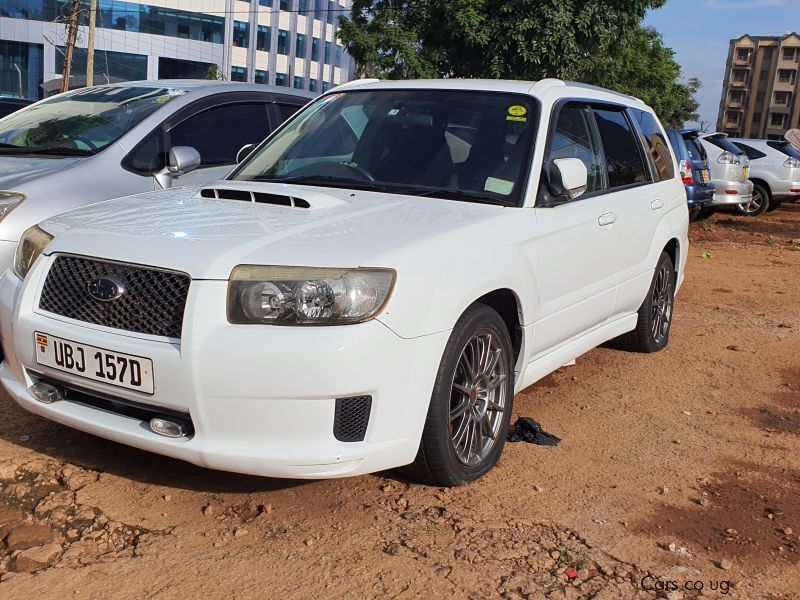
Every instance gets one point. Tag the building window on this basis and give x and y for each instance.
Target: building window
(788, 54)
(768, 52)
(299, 83)
(174, 68)
(732, 117)
(238, 74)
(241, 34)
(327, 59)
(312, 85)
(782, 98)
(743, 54)
(332, 11)
(777, 119)
(300, 46)
(739, 75)
(757, 117)
(262, 38)
(283, 42)
(315, 49)
(265, 3)
(281, 79)
(759, 98)
(325, 86)
(339, 53)
(302, 7)
(736, 96)
(285, 5)
(130, 67)
(786, 75)
(261, 76)
(318, 10)
(30, 60)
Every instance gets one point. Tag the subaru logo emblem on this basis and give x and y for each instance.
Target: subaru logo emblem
(105, 289)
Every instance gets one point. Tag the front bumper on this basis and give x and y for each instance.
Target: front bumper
(731, 193)
(261, 398)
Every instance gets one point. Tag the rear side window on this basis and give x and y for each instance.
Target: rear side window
(655, 144)
(725, 144)
(624, 161)
(751, 152)
(575, 136)
(286, 110)
(220, 132)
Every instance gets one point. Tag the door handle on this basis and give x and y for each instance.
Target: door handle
(657, 204)
(607, 218)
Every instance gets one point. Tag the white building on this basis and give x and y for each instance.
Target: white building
(284, 42)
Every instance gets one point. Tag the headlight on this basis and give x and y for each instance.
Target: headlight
(30, 246)
(306, 295)
(8, 202)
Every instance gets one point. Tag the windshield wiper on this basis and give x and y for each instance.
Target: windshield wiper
(48, 150)
(324, 180)
(463, 195)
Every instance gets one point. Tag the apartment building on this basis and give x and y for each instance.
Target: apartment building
(290, 43)
(761, 89)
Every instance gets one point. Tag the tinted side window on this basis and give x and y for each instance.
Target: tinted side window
(751, 152)
(576, 137)
(286, 110)
(696, 150)
(624, 163)
(656, 144)
(150, 155)
(219, 132)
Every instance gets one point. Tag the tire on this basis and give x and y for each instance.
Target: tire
(774, 204)
(703, 213)
(660, 300)
(453, 450)
(758, 205)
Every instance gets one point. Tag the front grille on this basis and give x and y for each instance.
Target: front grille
(351, 418)
(152, 302)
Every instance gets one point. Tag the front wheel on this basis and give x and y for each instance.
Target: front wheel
(471, 404)
(655, 314)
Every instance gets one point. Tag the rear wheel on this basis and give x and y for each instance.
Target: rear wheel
(774, 204)
(655, 314)
(758, 204)
(703, 213)
(470, 407)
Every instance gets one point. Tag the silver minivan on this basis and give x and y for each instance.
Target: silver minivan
(115, 140)
(774, 170)
(729, 174)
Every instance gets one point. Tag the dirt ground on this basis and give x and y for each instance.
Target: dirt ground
(677, 471)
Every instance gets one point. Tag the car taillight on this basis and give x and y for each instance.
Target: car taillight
(686, 171)
(792, 163)
(728, 158)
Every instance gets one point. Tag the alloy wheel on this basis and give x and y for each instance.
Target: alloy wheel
(661, 305)
(478, 397)
(755, 203)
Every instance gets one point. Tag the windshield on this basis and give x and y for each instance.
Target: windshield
(81, 122)
(462, 145)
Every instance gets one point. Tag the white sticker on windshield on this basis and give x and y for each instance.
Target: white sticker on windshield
(393, 112)
(498, 186)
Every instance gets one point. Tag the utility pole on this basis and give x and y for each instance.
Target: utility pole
(72, 38)
(90, 48)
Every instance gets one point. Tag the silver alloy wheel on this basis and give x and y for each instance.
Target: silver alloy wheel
(661, 306)
(755, 203)
(478, 397)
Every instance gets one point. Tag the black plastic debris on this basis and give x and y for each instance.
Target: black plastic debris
(528, 430)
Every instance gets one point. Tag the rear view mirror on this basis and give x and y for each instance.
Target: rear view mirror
(181, 160)
(244, 152)
(573, 174)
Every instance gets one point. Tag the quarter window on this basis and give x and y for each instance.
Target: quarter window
(624, 164)
(655, 143)
(575, 136)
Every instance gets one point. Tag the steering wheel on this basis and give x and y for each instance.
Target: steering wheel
(358, 169)
(86, 141)
(332, 169)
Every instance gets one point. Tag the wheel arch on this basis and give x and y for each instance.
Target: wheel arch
(507, 304)
(673, 249)
(763, 183)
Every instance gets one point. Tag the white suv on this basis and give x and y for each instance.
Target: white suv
(367, 290)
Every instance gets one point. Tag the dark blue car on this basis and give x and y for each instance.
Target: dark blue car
(693, 164)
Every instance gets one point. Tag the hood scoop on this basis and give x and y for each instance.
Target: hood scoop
(290, 196)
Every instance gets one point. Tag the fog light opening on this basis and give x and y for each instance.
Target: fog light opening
(168, 427)
(47, 393)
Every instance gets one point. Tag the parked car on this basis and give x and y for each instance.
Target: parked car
(694, 171)
(774, 171)
(368, 289)
(113, 140)
(10, 105)
(729, 175)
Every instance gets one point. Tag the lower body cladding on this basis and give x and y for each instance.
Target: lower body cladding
(731, 193)
(298, 402)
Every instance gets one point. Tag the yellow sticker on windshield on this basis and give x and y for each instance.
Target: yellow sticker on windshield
(517, 110)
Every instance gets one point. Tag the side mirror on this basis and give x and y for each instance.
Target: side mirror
(573, 174)
(244, 152)
(181, 160)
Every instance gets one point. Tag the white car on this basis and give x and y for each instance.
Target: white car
(367, 290)
(774, 171)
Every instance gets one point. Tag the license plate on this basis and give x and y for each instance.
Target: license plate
(745, 172)
(704, 173)
(97, 364)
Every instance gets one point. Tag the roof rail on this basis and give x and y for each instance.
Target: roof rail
(589, 86)
(354, 83)
(546, 84)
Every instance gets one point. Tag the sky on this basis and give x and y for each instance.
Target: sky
(699, 31)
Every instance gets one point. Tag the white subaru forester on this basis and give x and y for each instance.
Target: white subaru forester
(367, 290)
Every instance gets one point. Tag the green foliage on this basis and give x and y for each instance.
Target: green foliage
(594, 41)
(215, 73)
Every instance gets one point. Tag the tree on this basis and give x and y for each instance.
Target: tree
(215, 73)
(594, 41)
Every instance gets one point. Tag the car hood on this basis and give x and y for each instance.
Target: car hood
(17, 170)
(207, 237)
